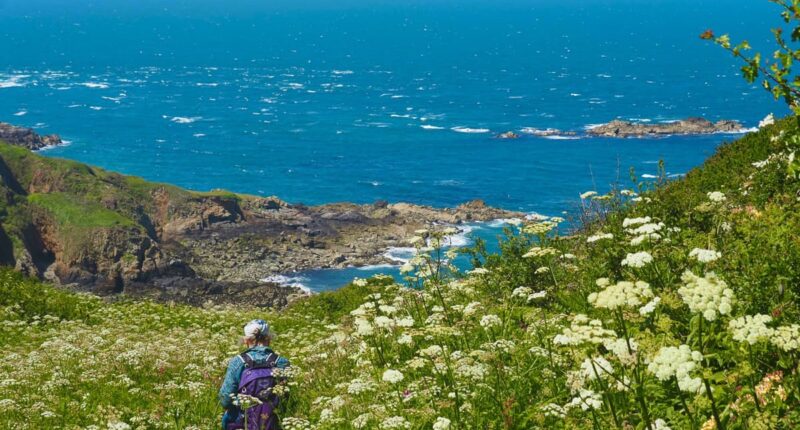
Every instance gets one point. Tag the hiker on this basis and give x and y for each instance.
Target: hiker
(250, 373)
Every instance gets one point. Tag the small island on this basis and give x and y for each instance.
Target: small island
(695, 125)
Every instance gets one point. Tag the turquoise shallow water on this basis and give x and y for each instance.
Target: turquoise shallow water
(359, 101)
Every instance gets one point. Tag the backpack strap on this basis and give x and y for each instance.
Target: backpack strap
(269, 363)
(248, 362)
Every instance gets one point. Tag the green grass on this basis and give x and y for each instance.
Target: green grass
(70, 212)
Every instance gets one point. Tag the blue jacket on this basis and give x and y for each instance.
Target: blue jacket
(236, 366)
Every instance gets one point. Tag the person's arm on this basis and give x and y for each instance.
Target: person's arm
(230, 385)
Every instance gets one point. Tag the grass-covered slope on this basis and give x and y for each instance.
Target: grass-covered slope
(677, 309)
(89, 225)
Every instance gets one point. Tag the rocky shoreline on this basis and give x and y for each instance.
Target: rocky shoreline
(27, 138)
(114, 235)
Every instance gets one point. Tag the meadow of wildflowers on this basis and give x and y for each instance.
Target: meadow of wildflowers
(675, 306)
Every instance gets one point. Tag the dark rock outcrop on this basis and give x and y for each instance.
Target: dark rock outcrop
(26, 137)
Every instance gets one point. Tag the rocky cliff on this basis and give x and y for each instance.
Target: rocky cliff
(26, 137)
(109, 233)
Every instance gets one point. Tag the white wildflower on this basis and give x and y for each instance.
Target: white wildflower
(679, 362)
(392, 376)
(395, 422)
(490, 320)
(583, 330)
(624, 293)
(704, 255)
(707, 295)
(554, 410)
(638, 259)
(787, 338)
(599, 236)
(650, 306)
(588, 194)
(441, 423)
(751, 328)
(716, 196)
(627, 222)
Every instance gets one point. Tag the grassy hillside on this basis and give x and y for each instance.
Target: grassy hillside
(674, 308)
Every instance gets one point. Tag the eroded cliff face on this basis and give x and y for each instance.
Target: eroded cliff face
(107, 233)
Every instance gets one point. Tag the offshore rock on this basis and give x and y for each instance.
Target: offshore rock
(620, 128)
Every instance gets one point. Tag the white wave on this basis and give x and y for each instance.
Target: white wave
(96, 107)
(575, 94)
(649, 176)
(74, 106)
(395, 115)
(535, 216)
(289, 281)
(500, 222)
(13, 81)
(460, 129)
(447, 183)
(591, 126)
(97, 85)
(462, 237)
(375, 267)
(400, 254)
(207, 84)
(398, 96)
(64, 142)
(559, 137)
(342, 72)
(183, 119)
(431, 127)
(23, 112)
(739, 131)
(199, 135)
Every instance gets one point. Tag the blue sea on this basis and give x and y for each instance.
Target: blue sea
(358, 100)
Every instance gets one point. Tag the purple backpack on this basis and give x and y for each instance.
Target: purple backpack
(257, 381)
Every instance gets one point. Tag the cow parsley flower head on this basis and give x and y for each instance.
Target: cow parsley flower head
(650, 306)
(623, 293)
(623, 349)
(583, 330)
(787, 338)
(660, 424)
(708, 295)
(637, 259)
(586, 399)
(395, 422)
(392, 376)
(751, 328)
(554, 410)
(596, 368)
(627, 222)
(490, 320)
(599, 236)
(679, 362)
(441, 423)
(704, 255)
(716, 196)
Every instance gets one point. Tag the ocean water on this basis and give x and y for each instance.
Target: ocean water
(357, 101)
